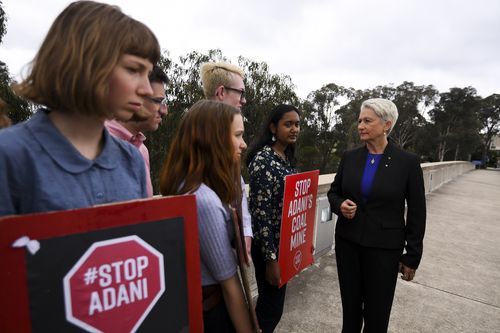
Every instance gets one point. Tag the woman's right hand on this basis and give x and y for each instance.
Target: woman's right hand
(273, 273)
(348, 208)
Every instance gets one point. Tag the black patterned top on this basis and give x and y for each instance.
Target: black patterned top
(267, 184)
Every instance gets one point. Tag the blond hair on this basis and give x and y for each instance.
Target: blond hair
(216, 74)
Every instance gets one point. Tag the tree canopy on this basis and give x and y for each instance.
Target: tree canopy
(17, 109)
(436, 125)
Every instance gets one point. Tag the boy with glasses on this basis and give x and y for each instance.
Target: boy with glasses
(223, 82)
(147, 120)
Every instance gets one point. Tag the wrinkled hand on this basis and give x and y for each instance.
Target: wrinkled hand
(407, 273)
(248, 245)
(348, 208)
(273, 273)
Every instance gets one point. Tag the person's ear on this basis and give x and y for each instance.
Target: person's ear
(387, 126)
(272, 128)
(219, 92)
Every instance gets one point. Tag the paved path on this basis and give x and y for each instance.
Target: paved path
(456, 288)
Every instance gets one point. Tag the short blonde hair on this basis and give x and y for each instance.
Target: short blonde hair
(216, 74)
(384, 109)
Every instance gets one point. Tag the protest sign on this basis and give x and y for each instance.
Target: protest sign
(297, 223)
(125, 267)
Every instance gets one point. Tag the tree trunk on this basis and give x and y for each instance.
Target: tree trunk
(441, 150)
(457, 149)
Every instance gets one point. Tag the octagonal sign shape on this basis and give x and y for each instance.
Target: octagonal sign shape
(114, 285)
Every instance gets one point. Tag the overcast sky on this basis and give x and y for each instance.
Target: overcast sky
(353, 43)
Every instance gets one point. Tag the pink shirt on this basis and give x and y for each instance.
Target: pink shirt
(117, 130)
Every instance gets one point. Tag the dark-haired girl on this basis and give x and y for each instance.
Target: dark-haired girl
(270, 158)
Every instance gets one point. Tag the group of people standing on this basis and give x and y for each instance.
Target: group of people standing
(205, 159)
(96, 77)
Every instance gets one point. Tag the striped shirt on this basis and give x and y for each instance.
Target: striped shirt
(218, 260)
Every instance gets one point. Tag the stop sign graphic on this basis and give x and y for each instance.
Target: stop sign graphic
(114, 285)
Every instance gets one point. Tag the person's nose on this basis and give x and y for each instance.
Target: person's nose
(163, 110)
(243, 145)
(145, 88)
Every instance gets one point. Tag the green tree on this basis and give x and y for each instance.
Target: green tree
(489, 116)
(324, 126)
(347, 127)
(3, 22)
(17, 108)
(411, 101)
(264, 91)
(457, 124)
(428, 140)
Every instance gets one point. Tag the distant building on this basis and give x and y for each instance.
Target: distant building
(495, 143)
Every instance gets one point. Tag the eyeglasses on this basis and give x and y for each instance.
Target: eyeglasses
(240, 91)
(162, 102)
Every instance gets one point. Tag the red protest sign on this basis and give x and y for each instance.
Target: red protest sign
(114, 285)
(297, 224)
(124, 267)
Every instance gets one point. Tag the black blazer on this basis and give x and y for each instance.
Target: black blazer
(380, 221)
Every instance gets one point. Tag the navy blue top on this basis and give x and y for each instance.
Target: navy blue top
(40, 170)
(372, 161)
(267, 185)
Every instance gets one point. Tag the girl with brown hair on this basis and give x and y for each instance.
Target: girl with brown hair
(93, 65)
(204, 160)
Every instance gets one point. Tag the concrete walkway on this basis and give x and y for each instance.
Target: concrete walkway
(456, 288)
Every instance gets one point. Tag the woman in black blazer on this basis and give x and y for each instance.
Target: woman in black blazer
(368, 194)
